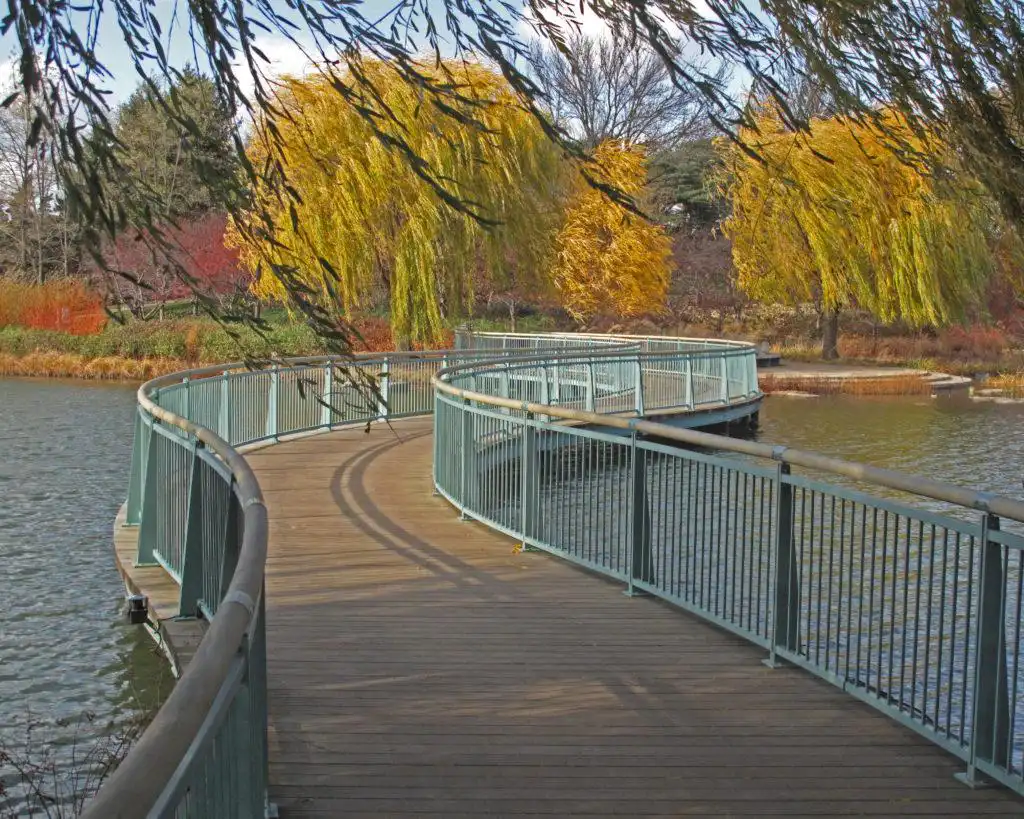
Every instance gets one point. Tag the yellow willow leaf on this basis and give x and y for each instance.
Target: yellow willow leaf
(863, 228)
(382, 227)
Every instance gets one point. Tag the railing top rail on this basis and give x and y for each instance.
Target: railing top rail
(925, 487)
(139, 780)
(713, 342)
(143, 774)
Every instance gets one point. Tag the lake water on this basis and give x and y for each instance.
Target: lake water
(69, 665)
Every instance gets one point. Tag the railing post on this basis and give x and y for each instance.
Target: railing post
(326, 412)
(147, 513)
(468, 445)
(506, 385)
(384, 380)
(186, 408)
(224, 415)
(137, 476)
(192, 548)
(991, 712)
(556, 386)
(638, 387)
(724, 393)
(691, 398)
(785, 629)
(545, 393)
(272, 395)
(530, 484)
(591, 387)
(641, 560)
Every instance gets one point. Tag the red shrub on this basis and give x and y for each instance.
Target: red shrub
(65, 305)
(198, 249)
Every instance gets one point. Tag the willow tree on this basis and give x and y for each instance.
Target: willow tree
(837, 217)
(361, 221)
(606, 258)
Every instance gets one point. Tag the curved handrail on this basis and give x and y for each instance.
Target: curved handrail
(915, 610)
(156, 771)
(891, 479)
(138, 781)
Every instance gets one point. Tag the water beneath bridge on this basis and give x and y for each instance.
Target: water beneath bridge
(64, 651)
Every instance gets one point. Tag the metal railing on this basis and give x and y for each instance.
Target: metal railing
(905, 592)
(200, 515)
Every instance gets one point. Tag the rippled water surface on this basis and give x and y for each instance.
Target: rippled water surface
(975, 444)
(68, 663)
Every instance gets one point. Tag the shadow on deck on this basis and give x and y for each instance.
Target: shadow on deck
(418, 665)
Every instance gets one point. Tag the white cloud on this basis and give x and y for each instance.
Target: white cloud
(284, 57)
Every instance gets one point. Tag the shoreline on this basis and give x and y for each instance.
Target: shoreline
(788, 377)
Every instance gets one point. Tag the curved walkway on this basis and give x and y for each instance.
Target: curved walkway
(419, 666)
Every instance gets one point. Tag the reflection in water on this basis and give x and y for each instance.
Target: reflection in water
(889, 591)
(68, 663)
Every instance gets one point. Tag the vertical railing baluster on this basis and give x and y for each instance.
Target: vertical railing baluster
(724, 386)
(787, 579)
(991, 711)
(591, 387)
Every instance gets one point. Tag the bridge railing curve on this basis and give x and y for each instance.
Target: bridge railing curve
(907, 593)
(200, 515)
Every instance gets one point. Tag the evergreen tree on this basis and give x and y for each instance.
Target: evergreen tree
(180, 169)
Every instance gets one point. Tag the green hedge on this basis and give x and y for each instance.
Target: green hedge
(195, 340)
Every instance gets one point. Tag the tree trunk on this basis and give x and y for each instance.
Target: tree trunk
(512, 314)
(830, 335)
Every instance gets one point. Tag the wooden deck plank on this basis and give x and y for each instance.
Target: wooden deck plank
(418, 665)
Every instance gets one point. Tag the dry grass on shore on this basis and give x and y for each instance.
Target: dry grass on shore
(1010, 383)
(72, 365)
(826, 385)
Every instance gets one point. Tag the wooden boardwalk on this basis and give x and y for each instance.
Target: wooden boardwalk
(418, 666)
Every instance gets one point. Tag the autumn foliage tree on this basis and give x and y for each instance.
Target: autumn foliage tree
(363, 222)
(605, 257)
(150, 280)
(836, 217)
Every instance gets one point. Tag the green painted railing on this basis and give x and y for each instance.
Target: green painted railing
(200, 515)
(905, 592)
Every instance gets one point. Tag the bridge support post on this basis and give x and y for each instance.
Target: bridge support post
(530, 483)
(641, 559)
(785, 628)
(468, 478)
(192, 545)
(991, 713)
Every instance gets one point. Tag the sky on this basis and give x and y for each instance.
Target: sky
(285, 57)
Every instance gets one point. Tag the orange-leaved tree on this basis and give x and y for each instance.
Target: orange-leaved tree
(607, 259)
